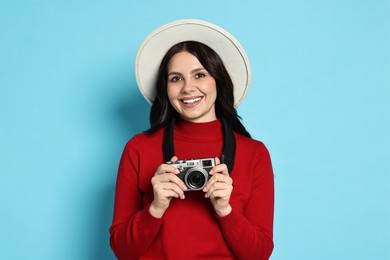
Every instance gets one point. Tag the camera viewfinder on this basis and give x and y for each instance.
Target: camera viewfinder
(206, 163)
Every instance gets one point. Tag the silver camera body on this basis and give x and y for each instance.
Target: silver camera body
(195, 172)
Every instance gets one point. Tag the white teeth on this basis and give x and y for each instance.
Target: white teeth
(190, 101)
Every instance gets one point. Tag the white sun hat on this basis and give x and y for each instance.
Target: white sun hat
(156, 44)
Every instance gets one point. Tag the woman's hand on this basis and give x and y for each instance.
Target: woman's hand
(219, 189)
(166, 185)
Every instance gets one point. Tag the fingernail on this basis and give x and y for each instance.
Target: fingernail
(206, 195)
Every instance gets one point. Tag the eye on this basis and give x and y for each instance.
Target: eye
(174, 79)
(200, 75)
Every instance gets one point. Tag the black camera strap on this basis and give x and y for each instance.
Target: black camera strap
(229, 145)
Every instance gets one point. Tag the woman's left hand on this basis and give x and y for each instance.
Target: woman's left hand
(219, 188)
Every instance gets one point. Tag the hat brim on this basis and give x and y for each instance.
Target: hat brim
(157, 43)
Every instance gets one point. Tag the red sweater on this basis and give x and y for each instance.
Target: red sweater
(189, 228)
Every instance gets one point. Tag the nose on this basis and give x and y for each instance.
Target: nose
(188, 86)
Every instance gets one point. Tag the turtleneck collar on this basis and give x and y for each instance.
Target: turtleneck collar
(207, 131)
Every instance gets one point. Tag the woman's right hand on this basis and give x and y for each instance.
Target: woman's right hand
(166, 185)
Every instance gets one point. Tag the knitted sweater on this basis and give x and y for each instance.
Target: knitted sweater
(189, 228)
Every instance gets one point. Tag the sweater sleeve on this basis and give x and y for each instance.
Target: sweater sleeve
(250, 233)
(134, 228)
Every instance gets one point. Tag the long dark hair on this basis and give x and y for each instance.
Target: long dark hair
(162, 111)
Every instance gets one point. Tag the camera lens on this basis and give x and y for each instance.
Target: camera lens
(196, 180)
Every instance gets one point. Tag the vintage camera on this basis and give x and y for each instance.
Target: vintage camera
(194, 173)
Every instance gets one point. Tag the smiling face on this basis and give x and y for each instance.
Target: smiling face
(191, 89)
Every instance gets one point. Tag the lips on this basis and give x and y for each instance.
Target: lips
(189, 101)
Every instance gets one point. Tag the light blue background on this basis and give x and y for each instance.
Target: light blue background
(319, 100)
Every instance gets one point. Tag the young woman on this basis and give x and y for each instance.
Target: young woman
(224, 208)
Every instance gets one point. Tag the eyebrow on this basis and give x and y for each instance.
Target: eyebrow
(191, 72)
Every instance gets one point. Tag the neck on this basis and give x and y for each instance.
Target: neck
(202, 131)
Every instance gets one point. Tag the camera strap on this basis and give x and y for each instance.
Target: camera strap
(229, 145)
